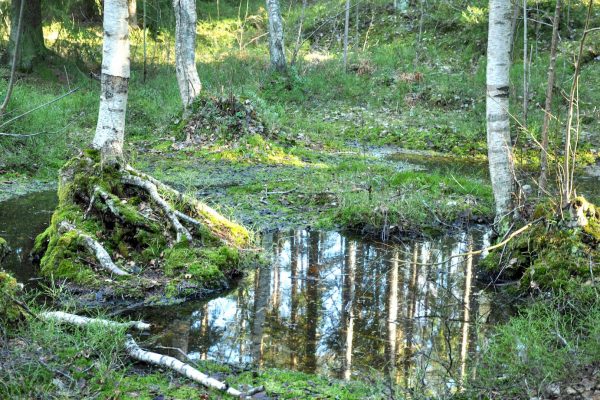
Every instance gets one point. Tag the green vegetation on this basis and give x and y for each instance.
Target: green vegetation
(298, 149)
(95, 200)
(9, 292)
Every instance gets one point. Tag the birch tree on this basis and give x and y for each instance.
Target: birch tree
(276, 47)
(185, 51)
(498, 122)
(110, 129)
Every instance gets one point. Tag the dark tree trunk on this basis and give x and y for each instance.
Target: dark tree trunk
(31, 47)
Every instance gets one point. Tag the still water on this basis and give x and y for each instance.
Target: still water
(326, 303)
(344, 307)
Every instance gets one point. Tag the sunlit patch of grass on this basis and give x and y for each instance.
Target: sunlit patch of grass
(256, 150)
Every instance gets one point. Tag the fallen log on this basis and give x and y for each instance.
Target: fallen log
(187, 370)
(94, 247)
(81, 321)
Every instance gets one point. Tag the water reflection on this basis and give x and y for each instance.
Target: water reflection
(21, 220)
(340, 306)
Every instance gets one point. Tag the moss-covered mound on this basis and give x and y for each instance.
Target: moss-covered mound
(559, 250)
(4, 249)
(9, 290)
(118, 234)
(221, 120)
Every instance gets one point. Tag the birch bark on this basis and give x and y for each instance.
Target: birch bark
(276, 48)
(110, 129)
(185, 51)
(497, 114)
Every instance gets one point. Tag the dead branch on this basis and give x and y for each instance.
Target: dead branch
(161, 360)
(82, 321)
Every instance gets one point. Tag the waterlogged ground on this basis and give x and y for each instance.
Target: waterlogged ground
(326, 303)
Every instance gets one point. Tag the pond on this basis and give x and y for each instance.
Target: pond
(326, 303)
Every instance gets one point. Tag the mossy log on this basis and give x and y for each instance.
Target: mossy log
(9, 291)
(119, 234)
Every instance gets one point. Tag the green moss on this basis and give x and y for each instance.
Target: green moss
(4, 249)
(9, 310)
(550, 255)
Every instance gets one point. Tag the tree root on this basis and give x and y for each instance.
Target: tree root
(82, 321)
(161, 360)
(94, 247)
(152, 191)
(207, 217)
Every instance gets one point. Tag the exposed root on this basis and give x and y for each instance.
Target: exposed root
(81, 321)
(108, 201)
(152, 191)
(93, 247)
(207, 217)
(161, 360)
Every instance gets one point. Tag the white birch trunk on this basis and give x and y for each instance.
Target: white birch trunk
(276, 48)
(497, 113)
(110, 129)
(82, 321)
(160, 360)
(185, 51)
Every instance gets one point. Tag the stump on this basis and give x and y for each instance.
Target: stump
(119, 234)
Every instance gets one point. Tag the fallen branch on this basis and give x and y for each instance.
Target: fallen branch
(152, 190)
(161, 360)
(82, 321)
(94, 247)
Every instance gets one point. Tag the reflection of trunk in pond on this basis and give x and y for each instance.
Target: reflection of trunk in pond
(348, 307)
(410, 314)
(293, 337)
(466, 313)
(261, 301)
(178, 337)
(312, 303)
(392, 314)
(204, 332)
(275, 297)
(242, 319)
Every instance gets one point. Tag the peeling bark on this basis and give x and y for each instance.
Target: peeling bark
(110, 129)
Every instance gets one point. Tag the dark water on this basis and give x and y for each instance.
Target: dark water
(21, 220)
(344, 307)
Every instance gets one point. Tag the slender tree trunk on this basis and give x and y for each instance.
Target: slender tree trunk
(133, 21)
(543, 181)
(348, 295)
(13, 65)
(498, 122)
(525, 66)
(31, 47)
(276, 44)
(185, 51)
(346, 26)
(299, 37)
(110, 129)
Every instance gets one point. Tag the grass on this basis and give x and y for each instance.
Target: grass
(550, 341)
